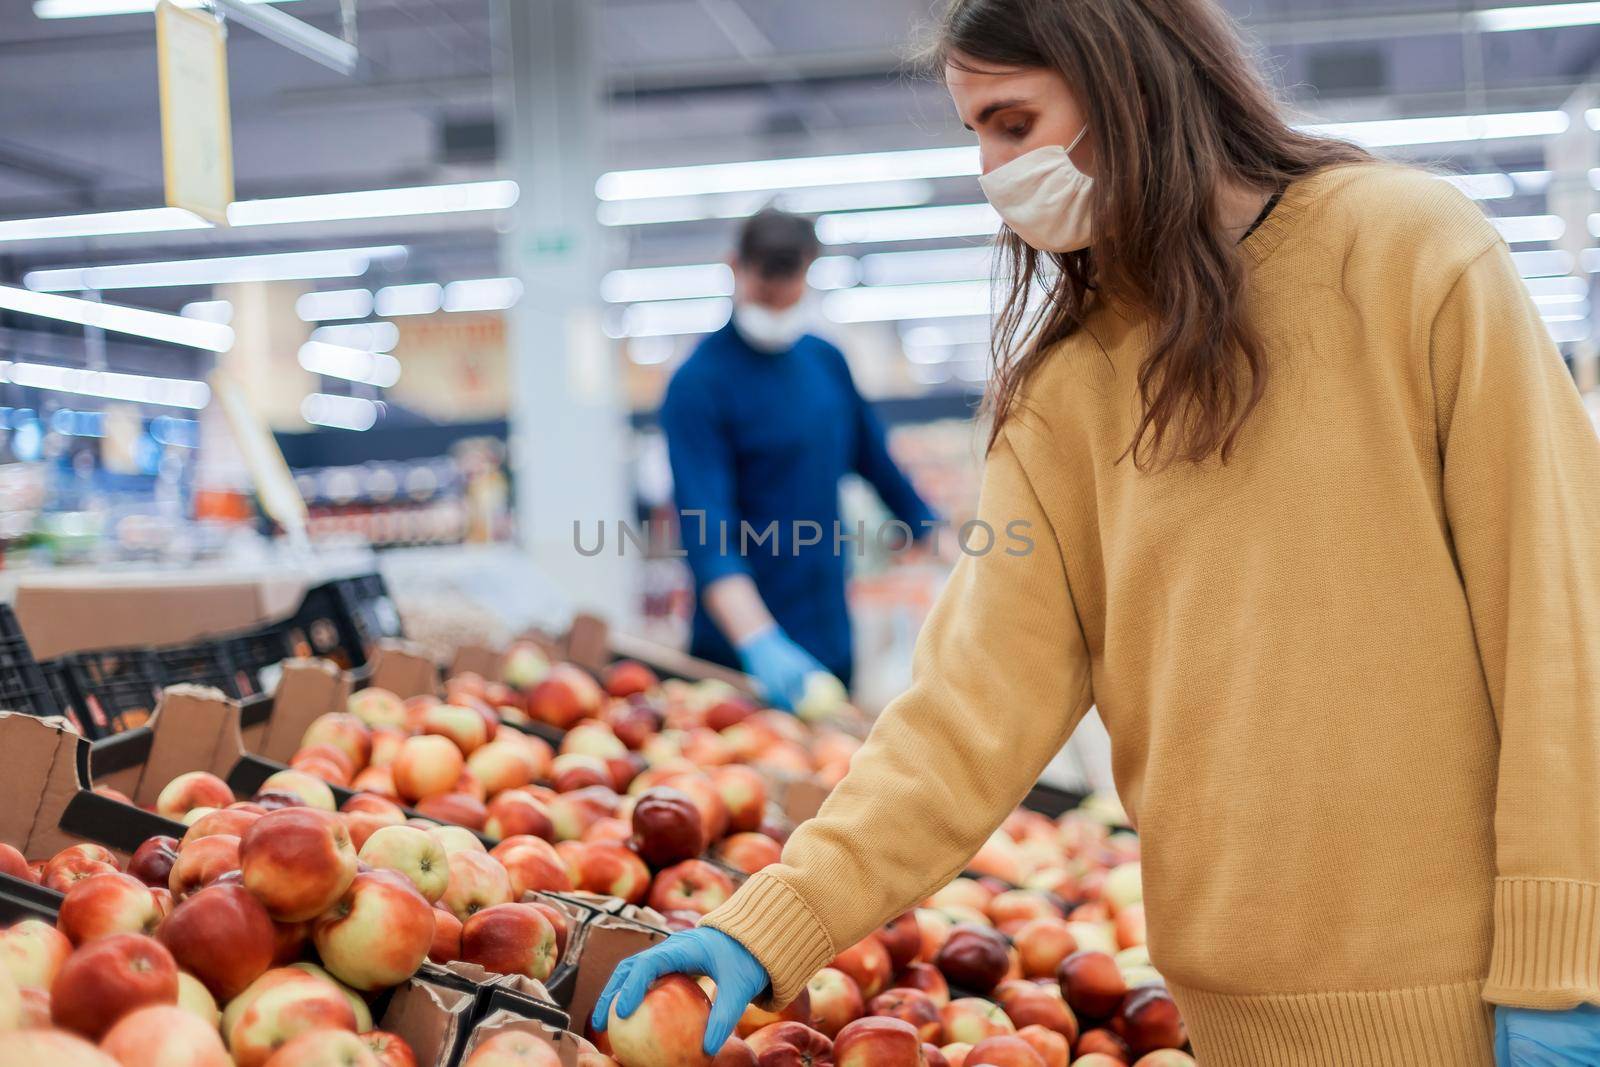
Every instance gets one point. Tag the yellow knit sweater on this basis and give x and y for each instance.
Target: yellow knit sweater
(1352, 678)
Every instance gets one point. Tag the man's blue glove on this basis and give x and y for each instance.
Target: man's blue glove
(1526, 1038)
(780, 665)
(739, 976)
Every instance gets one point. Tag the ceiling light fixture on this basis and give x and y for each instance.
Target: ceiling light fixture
(136, 322)
(269, 267)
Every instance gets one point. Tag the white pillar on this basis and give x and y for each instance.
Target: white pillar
(567, 425)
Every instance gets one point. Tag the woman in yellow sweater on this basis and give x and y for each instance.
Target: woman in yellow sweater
(1315, 510)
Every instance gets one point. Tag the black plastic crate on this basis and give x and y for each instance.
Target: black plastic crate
(342, 620)
(112, 690)
(199, 663)
(23, 686)
(255, 657)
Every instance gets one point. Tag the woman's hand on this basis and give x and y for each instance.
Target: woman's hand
(1527, 1038)
(739, 976)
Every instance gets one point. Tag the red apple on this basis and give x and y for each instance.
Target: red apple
(195, 789)
(517, 813)
(667, 1030)
(378, 781)
(734, 1053)
(744, 792)
(106, 979)
(667, 827)
(695, 885)
(559, 922)
(573, 771)
(277, 1008)
(901, 937)
(461, 809)
(410, 852)
(426, 766)
(613, 871)
(955, 1053)
(203, 862)
(713, 811)
(231, 821)
(375, 707)
(1020, 905)
(564, 696)
(14, 863)
(615, 831)
(477, 881)
(1130, 926)
(107, 904)
(867, 961)
(32, 952)
(1148, 1020)
(1102, 1043)
(446, 944)
(633, 723)
(754, 1018)
(75, 863)
(1091, 984)
(341, 730)
(297, 862)
(152, 861)
(729, 711)
(875, 1042)
(791, 1045)
(928, 978)
(1167, 1057)
(289, 787)
(749, 852)
(464, 726)
(974, 957)
(223, 936)
(503, 764)
(1035, 1005)
(1004, 1051)
(389, 1049)
(836, 1000)
(532, 864)
(626, 677)
(971, 1019)
(1054, 1049)
(911, 1006)
(377, 934)
(165, 1036)
(453, 838)
(514, 1048)
(510, 939)
(1042, 945)
(289, 941)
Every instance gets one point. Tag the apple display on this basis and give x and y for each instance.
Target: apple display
(910, 1006)
(836, 1000)
(477, 881)
(202, 862)
(971, 1019)
(297, 862)
(695, 885)
(194, 789)
(667, 1030)
(278, 1007)
(107, 904)
(1091, 984)
(867, 961)
(426, 765)
(1124, 885)
(513, 1048)
(879, 1042)
(791, 1045)
(974, 957)
(377, 934)
(730, 711)
(164, 1036)
(106, 979)
(511, 939)
(312, 791)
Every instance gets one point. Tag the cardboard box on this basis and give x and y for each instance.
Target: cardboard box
(64, 611)
(607, 941)
(569, 1046)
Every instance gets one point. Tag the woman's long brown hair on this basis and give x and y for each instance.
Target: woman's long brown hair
(1176, 112)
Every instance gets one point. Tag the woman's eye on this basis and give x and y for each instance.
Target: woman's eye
(1018, 130)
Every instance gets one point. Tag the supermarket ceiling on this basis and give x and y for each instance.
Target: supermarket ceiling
(689, 80)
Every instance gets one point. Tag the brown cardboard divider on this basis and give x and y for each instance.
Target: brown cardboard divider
(569, 1046)
(486, 662)
(307, 689)
(431, 1017)
(404, 669)
(607, 941)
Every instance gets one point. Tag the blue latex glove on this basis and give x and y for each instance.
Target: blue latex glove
(739, 976)
(1526, 1038)
(780, 665)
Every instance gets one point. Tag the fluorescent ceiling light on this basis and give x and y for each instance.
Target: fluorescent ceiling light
(367, 336)
(854, 197)
(136, 322)
(973, 331)
(334, 304)
(670, 318)
(743, 205)
(1544, 263)
(483, 294)
(1521, 229)
(651, 351)
(1444, 129)
(1566, 287)
(776, 174)
(889, 303)
(270, 267)
(908, 224)
(1483, 186)
(351, 364)
(421, 299)
(208, 311)
(135, 388)
(375, 203)
(834, 272)
(1537, 17)
(1568, 332)
(667, 283)
(339, 412)
(936, 265)
(101, 223)
(1564, 302)
(77, 9)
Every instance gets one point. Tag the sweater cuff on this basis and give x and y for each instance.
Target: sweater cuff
(770, 919)
(1546, 944)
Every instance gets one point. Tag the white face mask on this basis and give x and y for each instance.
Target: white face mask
(773, 332)
(1044, 198)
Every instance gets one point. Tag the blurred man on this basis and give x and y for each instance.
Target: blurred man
(762, 421)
